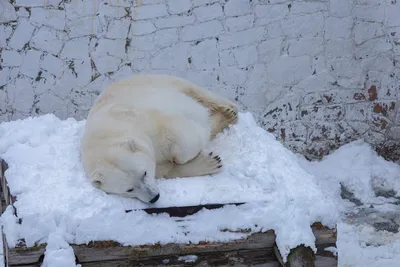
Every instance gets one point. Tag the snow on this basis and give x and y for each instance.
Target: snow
(363, 246)
(284, 192)
(188, 258)
(58, 252)
(356, 159)
(360, 242)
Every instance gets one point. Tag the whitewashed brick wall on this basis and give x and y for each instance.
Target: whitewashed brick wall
(316, 73)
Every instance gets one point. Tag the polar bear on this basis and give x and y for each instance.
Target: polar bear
(150, 126)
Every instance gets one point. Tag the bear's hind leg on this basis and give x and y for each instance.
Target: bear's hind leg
(223, 112)
(203, 164)
(181, 139)
(210, 100)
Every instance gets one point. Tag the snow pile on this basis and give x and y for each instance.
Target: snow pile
(58, 252)
(284, 192)
(46, 176)
(357, 167)
(362, 246)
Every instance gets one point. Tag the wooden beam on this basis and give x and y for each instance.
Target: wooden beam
(183, 211)
(94, 252)
(253, 257)
(114, 253)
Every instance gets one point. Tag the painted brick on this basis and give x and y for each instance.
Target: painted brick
(316, 74)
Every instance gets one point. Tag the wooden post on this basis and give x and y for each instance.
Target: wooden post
(302, 256)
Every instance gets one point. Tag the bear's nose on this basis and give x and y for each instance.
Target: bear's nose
(154, 200)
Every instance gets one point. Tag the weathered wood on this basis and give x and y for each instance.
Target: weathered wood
(323, 261)
(2, 181)
(25, 255)
(302, 256)
(179, 264)
(5, 247)
(319, 262)
(113, 251)
(110, 251)
(201, 264)
(7, 197)
(3, 167)
(231, 258)
(323, 234)
(184, 211)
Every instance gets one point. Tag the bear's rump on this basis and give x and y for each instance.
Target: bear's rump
(173, 102)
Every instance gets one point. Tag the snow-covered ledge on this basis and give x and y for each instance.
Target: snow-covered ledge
(315, 73)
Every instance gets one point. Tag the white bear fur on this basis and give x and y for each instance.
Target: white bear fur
(152, 126)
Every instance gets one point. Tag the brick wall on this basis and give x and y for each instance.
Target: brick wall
(315, 73)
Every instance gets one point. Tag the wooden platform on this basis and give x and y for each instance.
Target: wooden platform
(258, 249)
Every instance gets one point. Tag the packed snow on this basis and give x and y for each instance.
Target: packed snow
(284, 192)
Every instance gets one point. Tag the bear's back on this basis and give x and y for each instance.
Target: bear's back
(165, 98)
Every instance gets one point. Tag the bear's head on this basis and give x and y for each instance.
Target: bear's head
(127, 169)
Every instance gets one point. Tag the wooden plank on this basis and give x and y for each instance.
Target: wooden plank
(322, 261)
(201, 264)
(261, 257)
(5, 248)
(3, 167)
(323, 234)
(2, 182)
(2, 202)
(24, 255)
(8, 198)
(183, 211)
(108, 251)
(96, 252)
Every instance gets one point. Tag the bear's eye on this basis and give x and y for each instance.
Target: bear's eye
(130, 190)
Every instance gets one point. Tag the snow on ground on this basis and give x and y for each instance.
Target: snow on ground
(361, 245)
(58, 205)
(368, 190)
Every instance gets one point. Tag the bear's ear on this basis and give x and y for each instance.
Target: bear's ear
(97, 180)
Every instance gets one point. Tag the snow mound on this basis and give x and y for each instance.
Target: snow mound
(55, 199)
(357, 167)
(357, 246)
